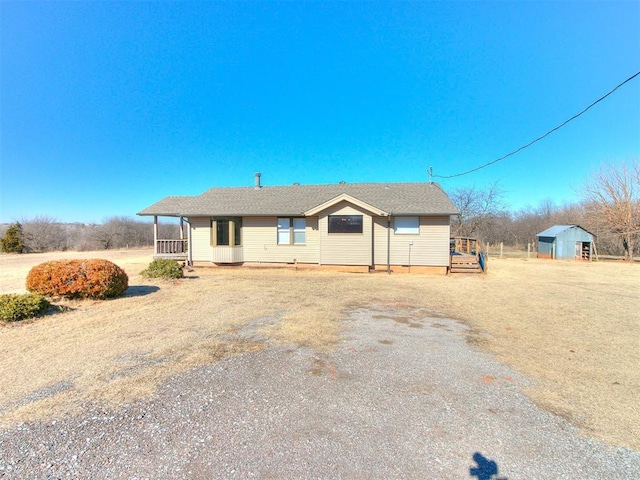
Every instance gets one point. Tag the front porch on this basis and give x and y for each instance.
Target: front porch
(170, 248)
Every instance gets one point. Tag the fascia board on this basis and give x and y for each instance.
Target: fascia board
(347, 198)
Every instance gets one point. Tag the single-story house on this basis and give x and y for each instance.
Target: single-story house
(363, 226)
(566, 241)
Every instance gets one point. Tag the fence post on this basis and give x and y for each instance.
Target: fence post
(528, 249)
(501, 247)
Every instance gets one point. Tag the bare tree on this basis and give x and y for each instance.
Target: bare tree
(113, 232)
(44, 234)
(479, 210)
(529, 221)
(81, 237)
(613, 201)
(123, 232)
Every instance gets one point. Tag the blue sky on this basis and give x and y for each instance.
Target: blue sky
(106, 107)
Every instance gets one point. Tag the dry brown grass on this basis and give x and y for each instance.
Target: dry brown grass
(573, 327)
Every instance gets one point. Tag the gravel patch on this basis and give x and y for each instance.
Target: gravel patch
(402, 396)
(45, 392)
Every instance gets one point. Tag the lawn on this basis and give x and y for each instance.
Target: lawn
(572, 327)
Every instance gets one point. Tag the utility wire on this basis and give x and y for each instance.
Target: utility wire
(540, 137)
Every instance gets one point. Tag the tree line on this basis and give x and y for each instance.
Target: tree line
(609, 207)
(46, 234)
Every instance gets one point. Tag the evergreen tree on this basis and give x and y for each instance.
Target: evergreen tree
(13, 240)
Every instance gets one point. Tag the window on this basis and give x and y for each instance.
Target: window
(345, 223)
(406, 225)
(222, 232)
(292, 231)
(226, 232)
(284, 231)
(237, 232)
(299, 229)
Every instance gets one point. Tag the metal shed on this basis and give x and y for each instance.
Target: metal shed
(566, 241)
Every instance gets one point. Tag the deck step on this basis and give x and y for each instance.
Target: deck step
(465, 270)
(465, 264)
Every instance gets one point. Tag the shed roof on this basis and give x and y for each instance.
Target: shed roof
(557, 229)
(390, 198)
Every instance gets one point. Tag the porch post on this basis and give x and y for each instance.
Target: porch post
(181, 228)
(155, 235)
(189, 245)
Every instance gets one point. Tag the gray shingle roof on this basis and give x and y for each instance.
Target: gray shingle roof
(393, 198)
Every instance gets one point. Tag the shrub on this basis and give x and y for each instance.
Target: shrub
(95, 278)
(163, 268)
(14, 307)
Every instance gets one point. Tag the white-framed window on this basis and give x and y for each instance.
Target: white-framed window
(406, 225)
(299, 231)
(284, 231)
(292, 230)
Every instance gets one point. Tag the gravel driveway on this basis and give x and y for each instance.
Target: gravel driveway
(402, 396)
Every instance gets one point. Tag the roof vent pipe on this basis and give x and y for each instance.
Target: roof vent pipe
(256, 177)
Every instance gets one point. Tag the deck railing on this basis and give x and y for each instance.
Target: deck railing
(171, 247)
(468, 247)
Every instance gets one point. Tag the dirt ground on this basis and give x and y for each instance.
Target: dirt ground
(574, 328)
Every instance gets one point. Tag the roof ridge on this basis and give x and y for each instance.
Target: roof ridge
(252, 187)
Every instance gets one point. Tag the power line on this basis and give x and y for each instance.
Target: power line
(542, 136)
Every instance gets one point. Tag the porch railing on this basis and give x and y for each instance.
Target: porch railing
(171, 247)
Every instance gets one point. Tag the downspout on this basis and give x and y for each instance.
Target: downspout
(389, 244)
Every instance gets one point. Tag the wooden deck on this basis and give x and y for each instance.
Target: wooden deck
(467, 256)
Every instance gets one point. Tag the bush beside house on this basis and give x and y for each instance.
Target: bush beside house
(163, 268)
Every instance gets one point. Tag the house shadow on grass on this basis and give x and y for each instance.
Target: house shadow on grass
(140, 290)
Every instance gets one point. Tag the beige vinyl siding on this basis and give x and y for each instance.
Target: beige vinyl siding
(201, 238)
(345, 248)
(430, 247)
(260, 242)
(226, 254)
